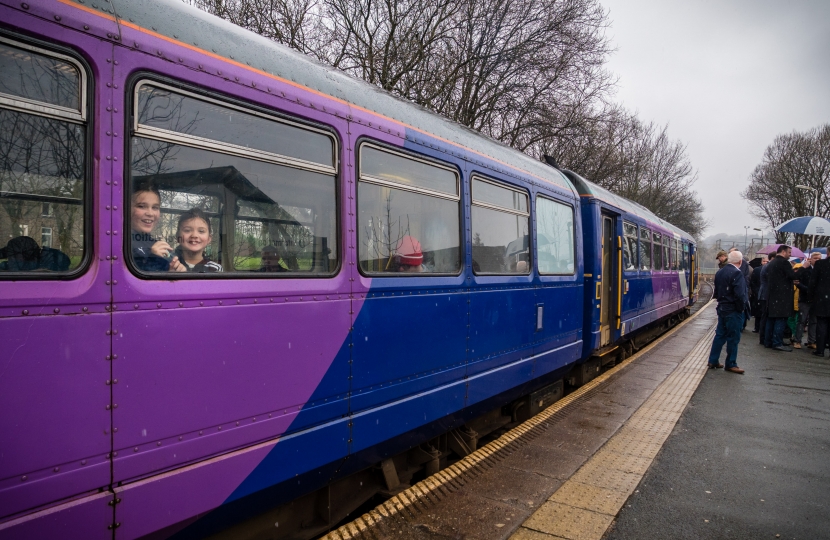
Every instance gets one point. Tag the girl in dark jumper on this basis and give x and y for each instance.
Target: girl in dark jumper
(194, 236)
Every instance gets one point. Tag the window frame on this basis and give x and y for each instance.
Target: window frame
(407, 154)
(536, 232)
(85, 118)
(229, 101)
(193, 141)
(636, 237)
(41, 108)
(531, 244)
(649, 233)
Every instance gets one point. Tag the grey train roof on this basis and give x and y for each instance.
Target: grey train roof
(586, 187)
(190, 25)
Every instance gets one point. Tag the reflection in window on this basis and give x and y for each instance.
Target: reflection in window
(658, 251)
(203, 210)
(645, 249)
(403, 226)
(555, 237)
(629, 246)
(42, 160)
(500, 223)
(686, 264)
(666, 253)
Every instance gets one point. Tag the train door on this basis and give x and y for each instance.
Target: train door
(607, 312)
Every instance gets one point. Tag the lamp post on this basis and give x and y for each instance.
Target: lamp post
(815, 208)
(762, 236)
(746, 237)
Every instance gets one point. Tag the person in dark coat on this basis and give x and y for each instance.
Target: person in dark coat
(730, 291)
(763, 297)
(819, 291)
(780, 298)
(755, 293)
(746, 270)
(806, 322)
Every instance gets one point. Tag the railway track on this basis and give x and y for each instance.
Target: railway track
(429, 498)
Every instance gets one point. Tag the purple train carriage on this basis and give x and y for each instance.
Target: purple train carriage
(241, 292)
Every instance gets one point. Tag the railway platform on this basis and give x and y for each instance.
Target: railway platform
(656, 447)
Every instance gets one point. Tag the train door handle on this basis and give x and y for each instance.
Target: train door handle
(599, 290)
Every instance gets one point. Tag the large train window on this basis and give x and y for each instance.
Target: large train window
(686, 264)
(554, 237)
(658, 251)
(43, 167)
(629, 246)
(500, 225)
(666, 253)
(645, 249)
(220, 188)
(408, 214)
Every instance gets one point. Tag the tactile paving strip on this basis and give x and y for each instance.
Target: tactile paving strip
(633, 447)
(585, 506)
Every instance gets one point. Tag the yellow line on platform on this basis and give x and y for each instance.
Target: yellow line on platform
(586, 504)
(590, 521)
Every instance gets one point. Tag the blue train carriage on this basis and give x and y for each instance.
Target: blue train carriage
(639, 276)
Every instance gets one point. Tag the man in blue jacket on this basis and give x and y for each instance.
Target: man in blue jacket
(730, 291)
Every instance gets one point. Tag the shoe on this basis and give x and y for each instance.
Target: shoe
(715, 366)
(755, 331)
(735, 369)
(811, 345)
(796, 345)
(782, 348)
(787, 342)
(816, 353)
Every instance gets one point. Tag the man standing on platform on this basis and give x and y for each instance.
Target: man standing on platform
(780, 298)
(730, 291)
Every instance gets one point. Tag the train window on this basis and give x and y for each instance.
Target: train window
(43, 167)
(686, 264)
(204, 202)
(645, 249)
(179, 116)
(629, 246)
(666, 254)
(408, 214)
(555, 237)
(675, 256)
(500, 220)
(658, 251)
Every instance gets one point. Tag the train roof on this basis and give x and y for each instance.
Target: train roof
(588, 188)
(178, 21)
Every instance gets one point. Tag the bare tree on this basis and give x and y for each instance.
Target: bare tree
(792, 159)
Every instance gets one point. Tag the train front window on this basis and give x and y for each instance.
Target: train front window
(408, 215)
(43, 169)
(554, 237)
(629, 246)
(500, 228)
(205, 207)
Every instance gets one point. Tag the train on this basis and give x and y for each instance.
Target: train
(243, 293)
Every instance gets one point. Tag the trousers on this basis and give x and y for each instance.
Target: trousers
(727, 333)
(807, 322)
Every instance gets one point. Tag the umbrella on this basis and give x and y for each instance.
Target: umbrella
(772, 248)
(806, 225)
(755, 263)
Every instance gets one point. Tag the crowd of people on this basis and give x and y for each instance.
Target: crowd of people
(788, 297)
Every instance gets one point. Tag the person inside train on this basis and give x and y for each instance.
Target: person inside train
(194, 236)
(21, 253)
(271, 260)
(149, 254)
(408, 257)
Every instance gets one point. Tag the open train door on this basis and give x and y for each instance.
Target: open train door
(608, 305)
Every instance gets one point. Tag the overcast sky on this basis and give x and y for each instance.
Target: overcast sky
(727, 76)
